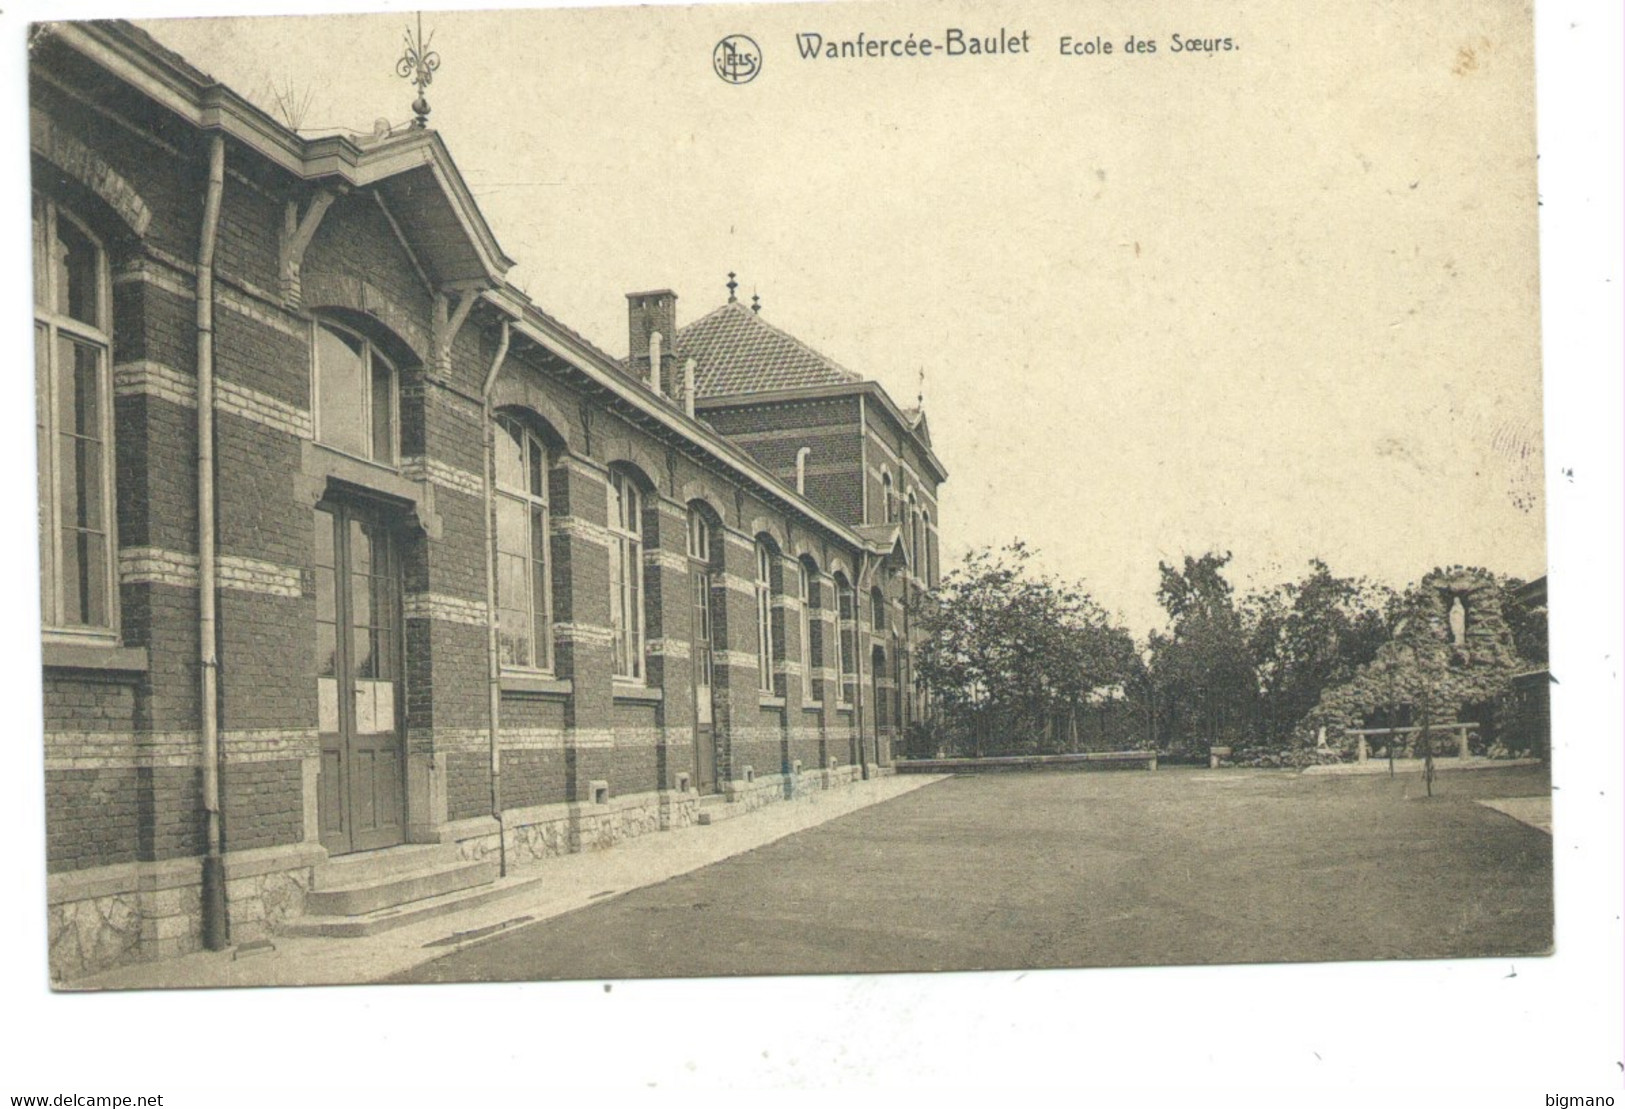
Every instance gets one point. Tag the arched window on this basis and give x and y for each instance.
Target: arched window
(911, 534)
(804, 591)
(929, 557)
(74, 420)
(699, 569)
(891, 499)
(626, 574)
(357, 394)
(764, 616)
(524, 587)
(877, 609)
(845, 613)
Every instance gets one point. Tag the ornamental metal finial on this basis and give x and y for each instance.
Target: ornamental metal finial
(417, 64)
(755, 303)
(732, 285)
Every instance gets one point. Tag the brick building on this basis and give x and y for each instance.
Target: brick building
(358, 570)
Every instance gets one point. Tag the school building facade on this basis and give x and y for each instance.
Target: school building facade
(359, 570)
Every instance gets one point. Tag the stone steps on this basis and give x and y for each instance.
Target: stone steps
(348, 871)
(369, 895)
(413, 912)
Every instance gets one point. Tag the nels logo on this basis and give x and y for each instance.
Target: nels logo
(737, 59)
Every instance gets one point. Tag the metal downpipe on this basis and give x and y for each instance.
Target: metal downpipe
(215, 930)
(494, 673)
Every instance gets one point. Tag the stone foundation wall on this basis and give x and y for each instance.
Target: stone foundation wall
(134, 912)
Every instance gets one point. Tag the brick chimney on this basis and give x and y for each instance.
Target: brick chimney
(648, 314)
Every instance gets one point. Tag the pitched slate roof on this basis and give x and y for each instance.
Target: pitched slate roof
(737, 352)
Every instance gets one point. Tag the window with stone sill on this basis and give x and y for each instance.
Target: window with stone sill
(626, 575)
(524, 588)
(74, 425)
(764, 616)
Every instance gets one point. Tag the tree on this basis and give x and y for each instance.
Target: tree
(1201, 671)
(1007, 652)
(1306, 635)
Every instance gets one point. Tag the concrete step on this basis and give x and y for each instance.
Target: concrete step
(349, 871)
(714, 807)
(399, 916)
(371, 894)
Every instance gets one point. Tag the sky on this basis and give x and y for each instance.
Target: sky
(1279, 300)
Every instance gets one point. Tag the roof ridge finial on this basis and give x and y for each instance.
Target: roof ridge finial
(920, 397)
(756, 304)
(732, 285)
(417, 64)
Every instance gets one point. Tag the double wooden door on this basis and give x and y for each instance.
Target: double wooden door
(358, 680)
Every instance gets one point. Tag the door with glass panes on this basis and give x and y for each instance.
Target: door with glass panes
(358, 680)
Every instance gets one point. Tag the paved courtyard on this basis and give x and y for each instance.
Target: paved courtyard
(1027, 870)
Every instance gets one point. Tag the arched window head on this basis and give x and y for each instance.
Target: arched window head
(524, 585)
(626, 574)
(877, 609)
(699, 535)
(890, 498)
(357, 394)
(74, 421)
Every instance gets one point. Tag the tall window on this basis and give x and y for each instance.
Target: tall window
(74, 420)
(845, 610)
(927, 559)
(524, 593)
(699, 571)
(626, 574)
(877, 609)
(804, 585)
(356, 395)
(891, 499)
(764, 616)
(911, 534)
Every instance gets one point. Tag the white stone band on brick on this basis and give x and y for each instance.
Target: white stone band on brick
(735, 582)
(251, 404)
(230, 298)
(448, 741)
(418, 468)
(735, 658)
(154, 379)
(576, 528)
(250, 575)
(148, 272)
(597, 634)
(439, 606)
(666, 560)
(156, 566)
(532, 739)
(669, 648)
(114, 750)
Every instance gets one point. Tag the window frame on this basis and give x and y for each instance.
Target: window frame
(764, 616)
(535, 459)
(846, 600)
(51, 324)
(370, 351)
(625, 523)
(700, 538)
(804, 584)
